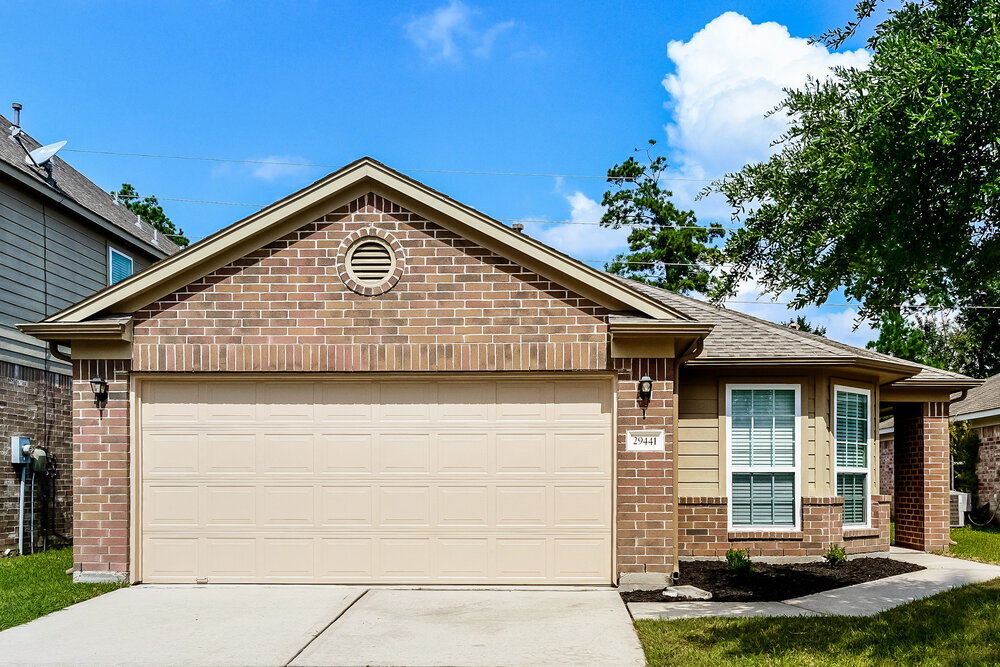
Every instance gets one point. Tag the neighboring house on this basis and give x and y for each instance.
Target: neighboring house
(62, 238)
(370, 382)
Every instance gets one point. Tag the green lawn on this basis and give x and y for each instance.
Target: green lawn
(35, 585)
(955, 627)
(974, 543)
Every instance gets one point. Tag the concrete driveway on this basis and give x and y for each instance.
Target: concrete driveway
(330, 625)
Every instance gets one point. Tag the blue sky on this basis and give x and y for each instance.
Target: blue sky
(553, 88)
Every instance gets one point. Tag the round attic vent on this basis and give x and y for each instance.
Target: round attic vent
(370, 261)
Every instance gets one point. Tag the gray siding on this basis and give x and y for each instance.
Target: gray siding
(48, 261)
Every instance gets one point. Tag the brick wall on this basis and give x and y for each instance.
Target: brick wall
(886, 467)
(101, 470)
(456, 307)
(988, 469)
(647, 522)
(922, 462)
(704, 531)
(36, 403)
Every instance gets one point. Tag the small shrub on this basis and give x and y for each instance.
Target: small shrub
(739, 561)
(836, 555)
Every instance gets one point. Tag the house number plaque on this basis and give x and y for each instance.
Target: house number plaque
(645, 441)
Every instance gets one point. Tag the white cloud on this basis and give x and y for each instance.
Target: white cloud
(451, 31)
(584, 241)
(727, 77)
(267, 168)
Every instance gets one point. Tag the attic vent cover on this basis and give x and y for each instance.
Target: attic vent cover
(370, 262)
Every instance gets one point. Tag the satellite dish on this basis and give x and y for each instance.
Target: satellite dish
(40, 156)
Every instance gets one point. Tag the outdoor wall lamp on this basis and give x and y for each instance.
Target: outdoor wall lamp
(645, 388)
(100, 388)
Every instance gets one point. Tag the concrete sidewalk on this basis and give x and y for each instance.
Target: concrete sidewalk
(942, 573)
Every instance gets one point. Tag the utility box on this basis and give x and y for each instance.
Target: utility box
(959, 506)
(19, 448)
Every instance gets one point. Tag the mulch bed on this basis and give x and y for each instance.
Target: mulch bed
(775, 582)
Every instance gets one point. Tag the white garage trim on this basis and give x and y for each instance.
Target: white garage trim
(504, 515)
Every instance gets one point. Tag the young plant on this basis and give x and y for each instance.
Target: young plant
(836, 555)
(739, 562)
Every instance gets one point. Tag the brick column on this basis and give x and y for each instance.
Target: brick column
(101, 473)
(647, 552)
(921, 475)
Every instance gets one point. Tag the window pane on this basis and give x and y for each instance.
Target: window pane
(852, 487)
(763, 427)
(851, 429)
(121, 267)
(763, 499)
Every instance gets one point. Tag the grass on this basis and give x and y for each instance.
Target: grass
(975, 543)
(35, 585)
(955, 627)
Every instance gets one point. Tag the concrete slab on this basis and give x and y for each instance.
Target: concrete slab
(675, 610)
(183, 625)
(422, 628)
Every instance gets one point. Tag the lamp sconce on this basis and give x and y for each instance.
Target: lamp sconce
(100, 388)
(645, 392)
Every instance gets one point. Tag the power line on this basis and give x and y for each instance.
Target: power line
(338, 166)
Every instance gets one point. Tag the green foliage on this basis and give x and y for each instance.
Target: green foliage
(957, 627)
(802, 324)
(886, 181)
(666, 246)
(965, 453)
(836, 555)
(149, 209)
(36, 585)
(739, 561)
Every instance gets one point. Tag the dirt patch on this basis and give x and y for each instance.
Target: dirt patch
(776, 582)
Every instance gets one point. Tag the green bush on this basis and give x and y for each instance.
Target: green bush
(836, 555)
(739, 561)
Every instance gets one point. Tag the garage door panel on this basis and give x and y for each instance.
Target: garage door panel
(445, 483)
(172, 403)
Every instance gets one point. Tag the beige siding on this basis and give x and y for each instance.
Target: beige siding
(701, 428)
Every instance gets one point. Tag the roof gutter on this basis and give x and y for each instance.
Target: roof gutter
(82, 211)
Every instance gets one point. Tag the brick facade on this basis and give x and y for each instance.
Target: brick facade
(457, 307)
(101, 471)
(988, 469)
(922, 467)
(647, 521)
(704, 531)
(36, 404)
(887, 467)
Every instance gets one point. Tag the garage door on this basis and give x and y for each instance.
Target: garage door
(376, 481)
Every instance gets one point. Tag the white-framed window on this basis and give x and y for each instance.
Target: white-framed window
(763, 454)
(852, 435)
(120, 266)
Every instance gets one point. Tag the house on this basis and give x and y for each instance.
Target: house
(370, 382)
(63, 238)
(980, 409)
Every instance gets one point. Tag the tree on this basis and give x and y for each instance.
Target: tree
(149, 209)
(667, 248)
(802, 324)
(885, 184)
(964, 444)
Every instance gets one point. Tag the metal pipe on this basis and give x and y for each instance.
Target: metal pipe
(20, 513)
(17, 113)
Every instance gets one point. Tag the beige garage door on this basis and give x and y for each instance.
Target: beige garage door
(376, 481)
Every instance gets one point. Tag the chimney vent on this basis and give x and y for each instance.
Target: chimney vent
(518, 227)
(17, 113)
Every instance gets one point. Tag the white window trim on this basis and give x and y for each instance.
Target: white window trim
(111, 253)
(795, 469)
(866, 471)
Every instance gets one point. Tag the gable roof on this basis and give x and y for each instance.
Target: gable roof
(741, 337)
(68, 186)
(344, 185)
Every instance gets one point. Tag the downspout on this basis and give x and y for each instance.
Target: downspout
(692, 351)
(961, 397)
(54, 349)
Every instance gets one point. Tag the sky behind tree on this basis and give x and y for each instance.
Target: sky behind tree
(426, 87)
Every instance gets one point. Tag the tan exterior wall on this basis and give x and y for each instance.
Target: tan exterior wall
(702, 439)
